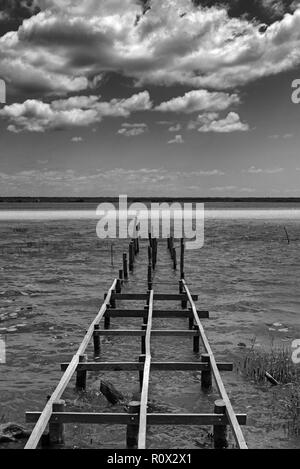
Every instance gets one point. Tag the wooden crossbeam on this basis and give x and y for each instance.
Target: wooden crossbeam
(125, 418)
(140, 333)
(158, 313)
(157, 296)
(157, 366)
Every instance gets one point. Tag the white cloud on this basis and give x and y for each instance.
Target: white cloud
(80, 111)
(175, 128)
(132, 130)
(199, 100)
(77, 139)
(231, 123)
(177, 140)
(70, 46)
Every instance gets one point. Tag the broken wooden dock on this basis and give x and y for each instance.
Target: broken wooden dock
(137, 419)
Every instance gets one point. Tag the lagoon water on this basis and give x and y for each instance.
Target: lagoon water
(54, 272)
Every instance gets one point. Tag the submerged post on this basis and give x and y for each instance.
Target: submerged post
(132, 431)
(142, 359)
(125, 269)
(56, 430)
(206, 376)
(81, 375)
(96, 341)
(196, 340)
(220, 431)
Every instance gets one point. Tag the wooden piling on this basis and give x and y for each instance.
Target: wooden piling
(149, 275)
(182, 258)
(143, 342)
(112, 303)
(121, 275)
(131, 256)
(196, 341)
(206, 376)
(149, 255)
(118, 286)
(81, 375)
(125, 267)
(96, 341)
(132, 431)
(174, 257)
(107, 321)
(220, 431)
(142, 359)
(56, 430)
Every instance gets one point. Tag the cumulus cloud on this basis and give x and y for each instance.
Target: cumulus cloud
(132, 130)
(69, 46)
(80, 111)
(231, 123)
(199, 100)
(177, 140)
(13, 13)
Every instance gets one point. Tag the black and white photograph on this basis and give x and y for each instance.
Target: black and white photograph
(149, 227)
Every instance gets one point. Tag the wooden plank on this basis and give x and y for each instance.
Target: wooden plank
(140, 333)
(146, 378)
(155, 366)
(157, 296)
(125, 418)
(42, 422)
(237, 432)
(163, 313)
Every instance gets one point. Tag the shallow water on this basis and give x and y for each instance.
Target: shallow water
(53, 277)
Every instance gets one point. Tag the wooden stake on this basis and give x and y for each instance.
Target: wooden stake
(81, 375)
(112, 302)
(96, 341)
(206, 376)
(220, 431)
(196, 341)
(142, 359)
(174, 259)
(125, 269)
(143, 340)
(118, 286)
(132, 430)
(182, 258)
(56, 430)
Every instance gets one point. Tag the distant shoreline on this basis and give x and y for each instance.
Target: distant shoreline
(38, 200)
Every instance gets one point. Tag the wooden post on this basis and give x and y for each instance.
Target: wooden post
(81, 375)
(142, 359)
(143, 340)
(149, 276)
(196, 341)
(132, 431)
(220, 431)
(206, 376)
(107, 320)
(112, 302)
(125, 269)
(149, 255)
(96, 341)
(182, 258)
(191, 323)
(131, 257)
(121, 275)
(56, 430)
(118, 286)
(153, 253)
(174, 259)
(150, 239)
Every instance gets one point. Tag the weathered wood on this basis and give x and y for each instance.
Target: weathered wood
(206, 376)
(196, 339)
(81, 375)
(146, 377)
(131, 257)
(157, 296)
(237, 432)
(155, 366)
(125, 418)
(220, 431)
(112, 303)
(182, 258)
(118, 286)
(110, 392)
(142, 359)
(125, 266)
(155, 332)
(43, 419)
(143, 341)
(133, 428)
(158, 313)
(96, 341)
(56, 430)
(174, 257)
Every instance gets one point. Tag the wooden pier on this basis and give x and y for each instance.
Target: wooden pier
(137, 419)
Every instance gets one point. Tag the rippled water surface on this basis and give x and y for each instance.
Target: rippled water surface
(53, 277)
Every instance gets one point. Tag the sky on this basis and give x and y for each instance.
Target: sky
(150, 98)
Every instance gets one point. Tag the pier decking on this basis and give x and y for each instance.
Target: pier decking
(137, 419)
